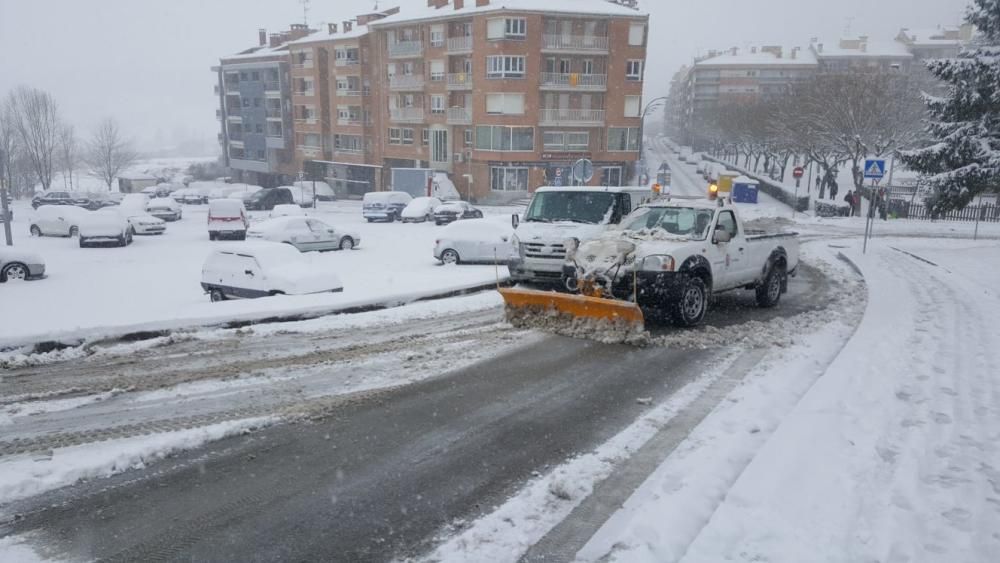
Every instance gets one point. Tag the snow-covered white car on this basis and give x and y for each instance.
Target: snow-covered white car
(105, 226)
(18, 265)
(301, 196)
(305, 234)
(484, 241)
(287, 210)
(260, 269)
(384, 206)
(189, 196)
(57, 221)
(323, 190)
(227, 218)
(420, 209)
(165, 208)
(142, 223)
(455, 211)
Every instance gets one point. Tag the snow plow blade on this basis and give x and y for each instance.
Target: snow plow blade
(519, 301)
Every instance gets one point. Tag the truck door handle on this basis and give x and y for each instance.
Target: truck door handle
(248, 272)
(741, 249)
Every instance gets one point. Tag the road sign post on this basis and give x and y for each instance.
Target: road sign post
(874, 171)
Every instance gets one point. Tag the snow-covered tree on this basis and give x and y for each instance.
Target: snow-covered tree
(109, 153)
(964, 159)
(35, 116)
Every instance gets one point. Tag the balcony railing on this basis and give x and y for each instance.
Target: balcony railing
(574, 81)
(460, 81)
(348, 151)
(586, 43)
(236, 136)
(304, 92)
(308, 63)
(347, 62)
(407, 114)
(348, 93)
(459, 44)
(571, 117)
(459, 115)
(274, 134)
(274, 113)
(272, 86)
(306, 120)
(232, 88)
(350, 121)
(406, 49)
(406, 82)
(234, 112)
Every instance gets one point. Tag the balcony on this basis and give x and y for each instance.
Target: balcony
(407, 115)
(581, 117)
(406, 49)
(459, 45)
(306, 121)
(348, 93)
(274, 141)
(308, 63)
(272, 86)
(350, 121)
(346, 62)
(308, 93)
(232, 88)
(459, 116)
(348, 151)
(575, 43)
(406, 82)
(460, 81)
(574, 81)
(234, 112)
(275, 113)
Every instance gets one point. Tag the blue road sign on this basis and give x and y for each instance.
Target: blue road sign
(874, 169)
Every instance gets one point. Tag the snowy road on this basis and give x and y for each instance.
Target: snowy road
(378, 435)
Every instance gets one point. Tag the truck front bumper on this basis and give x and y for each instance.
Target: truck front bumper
(535, 271)
(655, 289)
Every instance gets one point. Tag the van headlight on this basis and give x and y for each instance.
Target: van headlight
(657, 263)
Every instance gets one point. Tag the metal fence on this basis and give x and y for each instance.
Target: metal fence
(906, 203)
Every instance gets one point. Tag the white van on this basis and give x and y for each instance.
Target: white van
(227, 218)
(558, 214)
(384, 206)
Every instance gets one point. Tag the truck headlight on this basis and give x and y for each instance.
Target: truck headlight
(657, 263)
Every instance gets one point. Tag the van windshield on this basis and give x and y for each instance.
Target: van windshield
(593, 208)
(680, 221)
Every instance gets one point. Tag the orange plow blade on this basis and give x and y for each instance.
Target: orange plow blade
(520, 301)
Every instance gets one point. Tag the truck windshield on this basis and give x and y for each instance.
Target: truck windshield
(578, 207)
(680, 221)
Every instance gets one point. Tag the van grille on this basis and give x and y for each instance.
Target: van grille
(541, 250)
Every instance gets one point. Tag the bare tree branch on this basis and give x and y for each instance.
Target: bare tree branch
(36, 119)
(108, 153)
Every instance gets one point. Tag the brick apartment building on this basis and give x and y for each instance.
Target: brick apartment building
(502, 95)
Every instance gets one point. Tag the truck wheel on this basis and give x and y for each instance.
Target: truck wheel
(690, 308)
(769, 292)
(216, 295)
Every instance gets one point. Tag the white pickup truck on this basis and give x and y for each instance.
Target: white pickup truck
(670, 256)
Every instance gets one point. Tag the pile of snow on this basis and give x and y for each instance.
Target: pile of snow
(607, 331)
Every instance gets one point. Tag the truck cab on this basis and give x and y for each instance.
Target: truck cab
(557, 214)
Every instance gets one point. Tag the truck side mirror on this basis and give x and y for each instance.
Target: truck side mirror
(515, 220)
(722, 236)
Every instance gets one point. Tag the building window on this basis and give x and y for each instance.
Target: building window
(500, 66)
(437, 70)
(395, 136)
(505, 104)
(636, 34)
(468, 137)
(311, 140)
(588, 66)
(348, 143)
(632, 104)
(500, 138)
(255, 76)
(246, 102)
(243, 76)
(611, 176)
(425, 137)
(506, 28)
(508, 178)
(623, 138)
(437, 104)
(259, 128)
(437, 36)
(633, 70)
(407, 136)
(256, 102)
(566, 141)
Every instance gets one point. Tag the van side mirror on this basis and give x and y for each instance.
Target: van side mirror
(515, 220)
(722, 236)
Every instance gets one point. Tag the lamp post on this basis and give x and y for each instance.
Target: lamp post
(653, 104)
(5, 201)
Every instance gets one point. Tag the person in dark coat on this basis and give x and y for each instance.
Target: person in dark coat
(849, 199)
(834, 188)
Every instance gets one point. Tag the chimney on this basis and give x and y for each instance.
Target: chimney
(262, 36)
(332, 28)
(347, 26)
(481, 3)
(795, 52)
(734, 51)
(459, 4)
(819, 48)
(275, 40)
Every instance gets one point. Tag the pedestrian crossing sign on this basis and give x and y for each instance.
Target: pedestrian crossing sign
(874, 169)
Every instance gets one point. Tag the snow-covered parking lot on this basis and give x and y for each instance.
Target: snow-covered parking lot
(154, 283)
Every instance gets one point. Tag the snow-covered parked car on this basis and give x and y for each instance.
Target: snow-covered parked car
(384, 206)
(420, 209)
(188, 196)
(57, 221)
(18, 265)
(483, 241)
(454, 211)
(139, 221)
(227, 218)
(303, 197)
(105, 226)
(323, 190)
(260, 269)
(287, 210)
(305, 234)
(165, 208)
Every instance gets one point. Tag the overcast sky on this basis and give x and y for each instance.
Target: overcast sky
(146, 62)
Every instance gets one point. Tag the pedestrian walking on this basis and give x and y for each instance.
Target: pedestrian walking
(834, 188)
(849, 199)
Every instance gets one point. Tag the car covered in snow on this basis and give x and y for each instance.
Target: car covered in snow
(303, 197)
(476, 241)
(104, 227)
(18, 265)
(189, 196)
(260, 269)
(52, 198)
(165, 208)
(323, 190)
(384, 206)
(57, 221)
(227, 218)
(305, 233)
(420, 209)
(454, 211)
(287, 210)
(139, 221)
(267, 198)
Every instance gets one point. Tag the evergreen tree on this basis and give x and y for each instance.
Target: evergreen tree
(964, 160)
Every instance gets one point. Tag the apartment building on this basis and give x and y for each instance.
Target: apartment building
(936, 43)
(506, 95)
(736, 76)
(255, 120)
(862, 53)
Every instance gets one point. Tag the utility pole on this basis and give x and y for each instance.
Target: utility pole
(662, 100)
(5, 201)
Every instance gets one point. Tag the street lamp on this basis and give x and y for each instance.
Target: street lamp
(653, 104)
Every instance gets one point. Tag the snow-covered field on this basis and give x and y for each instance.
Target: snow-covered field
(154, 283)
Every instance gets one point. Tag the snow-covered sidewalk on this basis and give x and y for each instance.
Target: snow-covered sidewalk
(892, 455)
